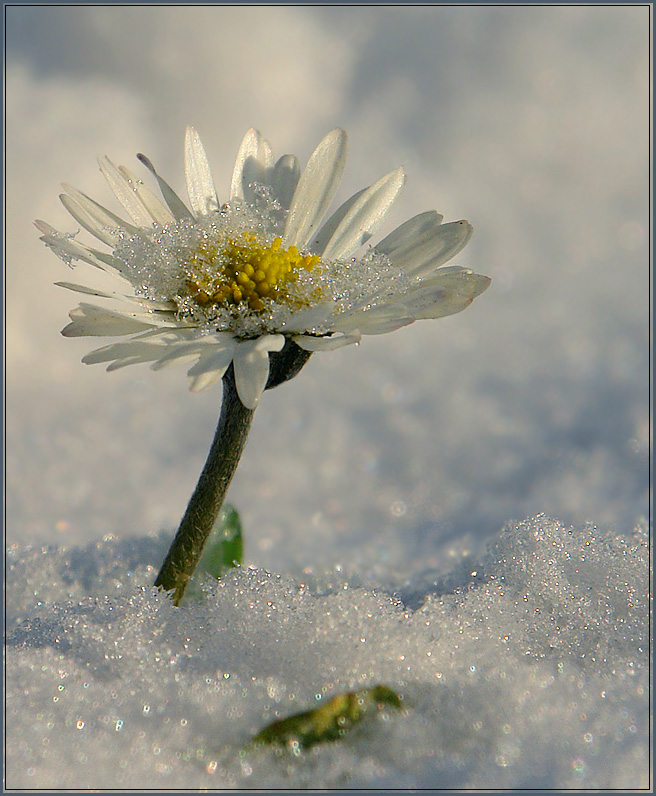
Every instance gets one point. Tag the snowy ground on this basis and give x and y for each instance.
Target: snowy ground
(378, 482)
(524, 670)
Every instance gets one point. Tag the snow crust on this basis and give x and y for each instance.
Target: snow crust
(386, 468)
(525, 669)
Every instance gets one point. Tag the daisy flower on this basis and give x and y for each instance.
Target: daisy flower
(211, 284)
(245, 291)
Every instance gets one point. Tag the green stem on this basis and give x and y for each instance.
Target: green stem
(207, 499)
(222, 460)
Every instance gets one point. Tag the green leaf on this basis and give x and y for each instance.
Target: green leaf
(224, 549)
(330, 721)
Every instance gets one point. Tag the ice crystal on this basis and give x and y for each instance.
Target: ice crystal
(198, 263)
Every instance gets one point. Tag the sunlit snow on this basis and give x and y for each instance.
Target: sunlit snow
(524, 669)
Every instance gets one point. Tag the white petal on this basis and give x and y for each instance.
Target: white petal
(251, 364)
(308, 319)
(125, 193)
(193, 348)
(444, 294)
(316, 189)
(370, 323)
(88, 222)
(200, 185)
(100, 217)
(207, 378)
(137, 359)
(158, 211)
(378, 320)
(328, 229)
(402, 309)
(138, 355)
(132, 352)
(209, 369)
(428, 250)
(142, 348)
(87, 320)
(310, 343)
(148, 304)
(447, 295)
(178, 357)
(365, 216)
(69, 249)
(176, 205)
(90, 291)
(254, 159)
(406, 236)
(284, 179)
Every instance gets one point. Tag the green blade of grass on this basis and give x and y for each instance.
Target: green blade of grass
(224, 549)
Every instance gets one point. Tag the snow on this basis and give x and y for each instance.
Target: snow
(526, 669)
(382, 491)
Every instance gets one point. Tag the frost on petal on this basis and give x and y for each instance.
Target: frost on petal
(68, 249)
(102, 232)
(316, 188)
(215, 286)
(200, 185)
(95, 215)
(253, 165)
(125, 193)
(449, 291)
(251, 364)
(445, 294)
(364, 216)
(157, 210)
(307, 320)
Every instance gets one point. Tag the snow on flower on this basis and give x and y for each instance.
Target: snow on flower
(215, 284)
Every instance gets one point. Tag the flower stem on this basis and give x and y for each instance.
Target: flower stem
(207, 499)
(222, 460)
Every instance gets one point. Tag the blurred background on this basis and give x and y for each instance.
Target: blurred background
(531, 122)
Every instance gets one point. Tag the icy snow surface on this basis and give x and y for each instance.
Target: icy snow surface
(389, 468)
(525, 669)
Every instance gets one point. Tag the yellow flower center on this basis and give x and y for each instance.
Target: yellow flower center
(244, 270)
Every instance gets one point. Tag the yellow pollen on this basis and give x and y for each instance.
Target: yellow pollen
(243, 270)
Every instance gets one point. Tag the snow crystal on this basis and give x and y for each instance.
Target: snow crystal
(527, 668)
